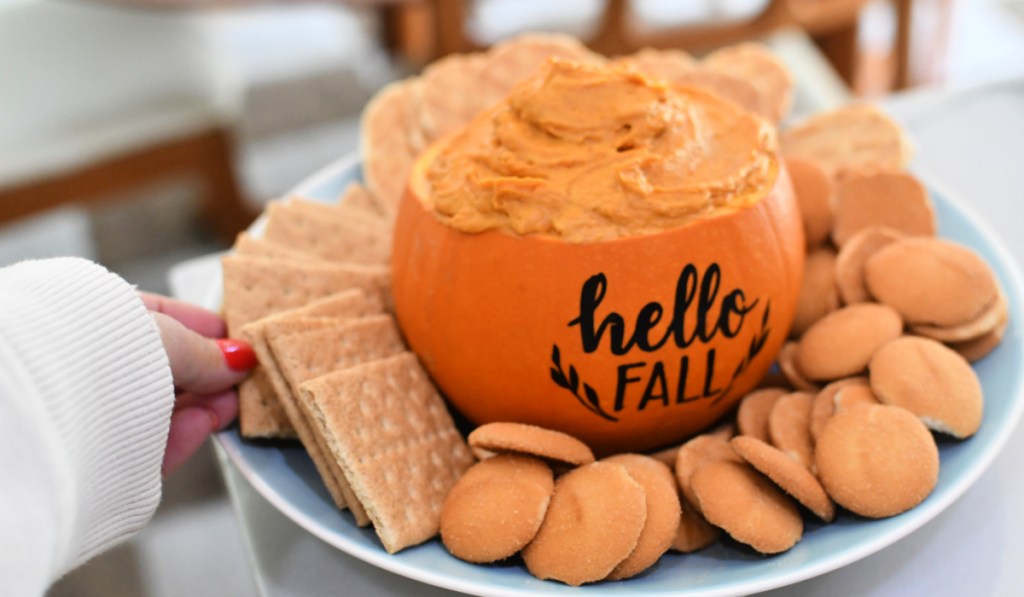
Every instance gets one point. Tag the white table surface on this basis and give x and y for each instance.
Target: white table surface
(972, 143)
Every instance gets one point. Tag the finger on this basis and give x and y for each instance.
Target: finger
(195, 318)
(189, 429)
(223, 406)
(201, 365)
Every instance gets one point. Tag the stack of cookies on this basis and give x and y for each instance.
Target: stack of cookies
(310, 295)
(888, 319)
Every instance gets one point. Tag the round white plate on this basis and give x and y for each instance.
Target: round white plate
(285, 476)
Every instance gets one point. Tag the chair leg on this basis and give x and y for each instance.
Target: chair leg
(840, 46)
(223, 203)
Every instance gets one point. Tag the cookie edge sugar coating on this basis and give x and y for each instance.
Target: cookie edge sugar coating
(532, 440)
(857, 331)
(789, 427)
(871, 430)
(792, 478)
(902, 275)
(761, 502)
(752, 414)
(698, 452)
(955, 409)
(610, 511)
(519, 489)
(824, 405)
(852, 257)
(664, 513)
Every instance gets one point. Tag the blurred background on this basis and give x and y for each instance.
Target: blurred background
(143, 133)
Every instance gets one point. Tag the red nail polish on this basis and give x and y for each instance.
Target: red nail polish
(237, 354)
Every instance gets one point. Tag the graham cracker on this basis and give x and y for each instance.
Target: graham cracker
(255, 287)
(254, 335)
(356, 196)
(324, 312)
(251, 246)
(387, 154)
(388, 427)
(305, 355)
(259, 413)
(325, 232)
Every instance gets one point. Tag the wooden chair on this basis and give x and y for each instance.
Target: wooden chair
(97, 101)
(433, 28)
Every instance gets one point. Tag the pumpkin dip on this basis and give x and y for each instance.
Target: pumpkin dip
(589, 153)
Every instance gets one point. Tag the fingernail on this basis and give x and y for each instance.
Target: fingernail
(237, 354)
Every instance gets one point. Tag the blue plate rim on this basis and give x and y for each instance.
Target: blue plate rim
(916, 519)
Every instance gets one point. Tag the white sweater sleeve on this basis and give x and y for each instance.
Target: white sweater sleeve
(85, 401)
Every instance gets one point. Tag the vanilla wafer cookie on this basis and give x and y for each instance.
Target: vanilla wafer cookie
(824, 405)
(788, 474)
(877, 460)
(593, 523)
(895, 200)
(819, 295)
(663, 513)
(516, 59)
(695, 533)
(815, 195)
(852, 257)
(984, 323)
(667, 65)
(931, 281)
(554, 446)
(841, 343)
(754, 63)
(752, 415)
(930, 380)
(853, 138)
(787, 364)
(496, 508)
(789, 427)
(746, 505)
(387, 426)
(696, 453)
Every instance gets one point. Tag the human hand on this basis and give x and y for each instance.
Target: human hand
(205, 369)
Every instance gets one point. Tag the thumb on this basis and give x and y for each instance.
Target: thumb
(199, 364)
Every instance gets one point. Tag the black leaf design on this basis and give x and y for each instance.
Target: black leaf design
(592, 402)
(767, 310)
(558, 378)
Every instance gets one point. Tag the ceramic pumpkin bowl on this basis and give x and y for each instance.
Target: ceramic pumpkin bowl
(629, 343)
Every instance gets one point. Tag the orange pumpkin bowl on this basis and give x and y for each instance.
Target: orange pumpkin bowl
(628, 344)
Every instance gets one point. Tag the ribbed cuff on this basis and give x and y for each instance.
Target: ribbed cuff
(97, 360)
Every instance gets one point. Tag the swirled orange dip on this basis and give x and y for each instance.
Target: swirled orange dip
(588, 153)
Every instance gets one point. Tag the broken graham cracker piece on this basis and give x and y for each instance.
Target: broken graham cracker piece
(262, 409)
(302, 356)
(260, 415)
(255, 287)
(388, 427)
(328, 232)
